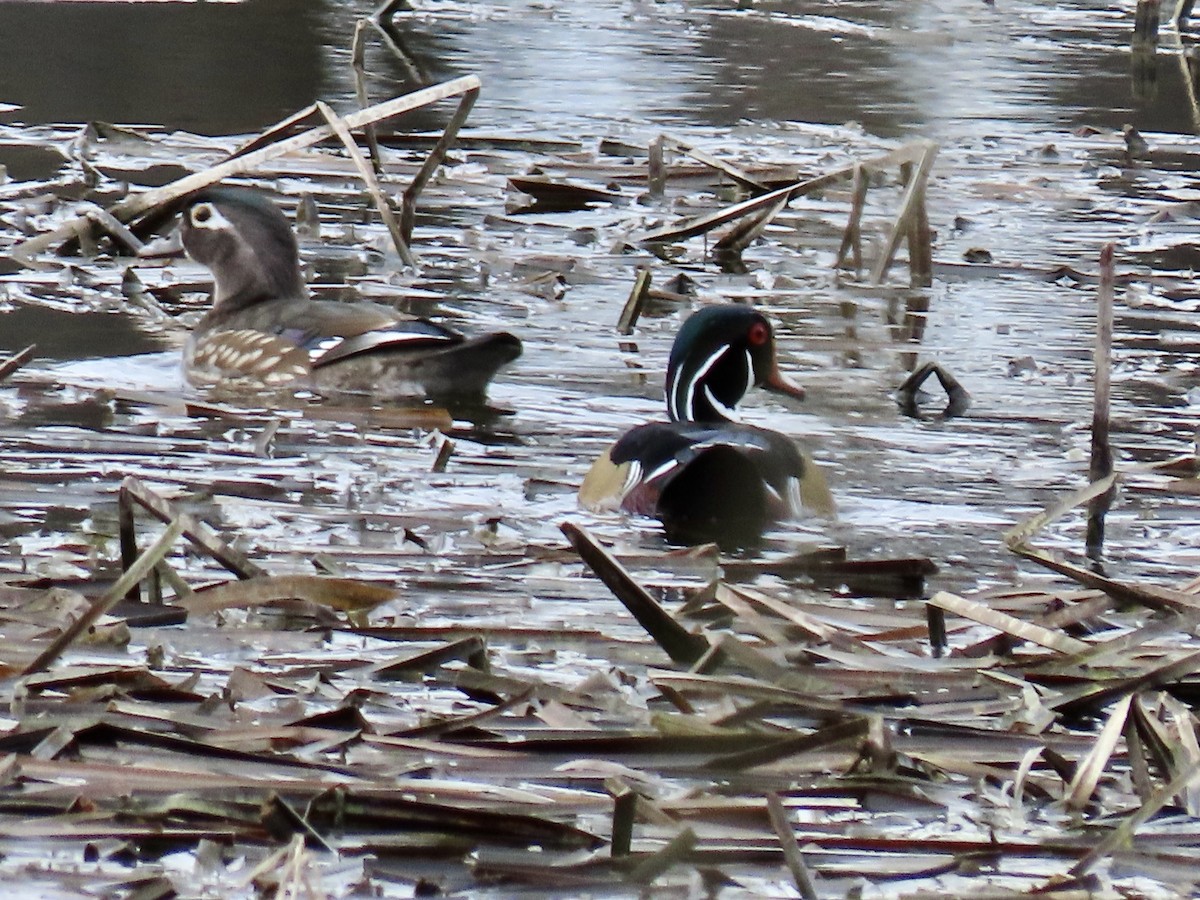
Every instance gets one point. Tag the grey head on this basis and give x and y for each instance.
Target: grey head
(247, 243)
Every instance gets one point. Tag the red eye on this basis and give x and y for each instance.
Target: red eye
(759, 334)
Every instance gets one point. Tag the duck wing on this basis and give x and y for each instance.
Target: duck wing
(331, 331)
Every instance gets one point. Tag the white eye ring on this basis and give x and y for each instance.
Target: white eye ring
(205, 215)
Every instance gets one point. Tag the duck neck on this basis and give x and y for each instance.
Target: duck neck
(707, 409)
(710, 390)
(241, 286)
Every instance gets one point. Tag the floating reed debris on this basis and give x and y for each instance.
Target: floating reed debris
(739, 176)
(14, 362)
(139, 569)
(791, 850)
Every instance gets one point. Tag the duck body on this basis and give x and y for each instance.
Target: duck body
(705, 476)
(265, 331)
(726, 483)
(342, 348)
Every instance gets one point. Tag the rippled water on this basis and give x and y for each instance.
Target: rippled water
(1001, 88)
(1026, 101)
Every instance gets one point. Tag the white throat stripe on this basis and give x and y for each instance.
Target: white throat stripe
(689, 398)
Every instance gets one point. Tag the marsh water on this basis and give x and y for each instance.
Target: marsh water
(1002, 88)
(1027, 102)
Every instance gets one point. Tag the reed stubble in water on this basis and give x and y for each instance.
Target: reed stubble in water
(1102, 463)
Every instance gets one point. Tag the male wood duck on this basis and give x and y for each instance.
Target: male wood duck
(265, 331)
(704, 475)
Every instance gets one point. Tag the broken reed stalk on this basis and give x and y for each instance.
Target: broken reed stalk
(1087, 773)
(358, 65)
(133, 491)
(791, 849)
(706, 223)
(391, 40)
(920, 242)
(408, 207)
(114, 227)
(681, 645)
(1123, 833)
(625, 802)
(1145, 23)
(911, 220)
(1011, 625)
(139, 203)
(282, 819)
(274, 133)
(851, 728)
(389, 8)
(744, 233)
(135, 573)
(1150, 596)
(637, 299)
(1091, 699)
(469, 720)
(442, 458)
(1102, 460)
(676, 850)
(463, 649)
(935, 623)
(910, 203)
(1186, 60)
(13, 363)
(852, 236)
(743, 178)
(1020, 535)
(368, 176)
(656, 172)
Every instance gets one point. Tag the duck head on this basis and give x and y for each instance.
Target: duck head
(719, 354)
(247, 243)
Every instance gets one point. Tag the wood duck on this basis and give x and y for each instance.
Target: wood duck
(704, 475)
(265, 331)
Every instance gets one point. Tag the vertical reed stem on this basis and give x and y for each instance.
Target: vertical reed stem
(1102, 462)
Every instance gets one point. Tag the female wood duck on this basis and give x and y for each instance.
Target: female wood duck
(265, 331)
(704, 475)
